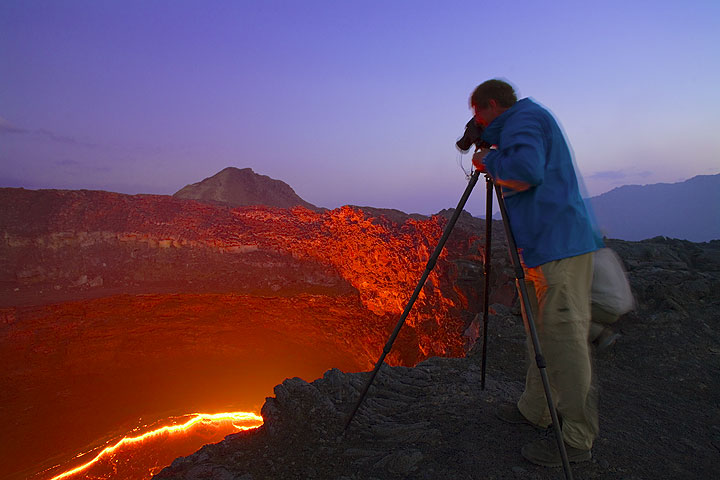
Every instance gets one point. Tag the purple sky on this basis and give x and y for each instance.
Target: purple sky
(348, 102)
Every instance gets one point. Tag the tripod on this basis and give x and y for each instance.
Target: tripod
(520, 280)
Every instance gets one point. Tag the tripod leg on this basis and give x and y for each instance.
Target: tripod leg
(428, 268)
(539, 359)
(487, 265)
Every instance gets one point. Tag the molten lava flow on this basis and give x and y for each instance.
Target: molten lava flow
(108, 462)
(72, 371)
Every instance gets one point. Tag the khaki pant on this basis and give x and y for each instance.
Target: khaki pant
(559, 294)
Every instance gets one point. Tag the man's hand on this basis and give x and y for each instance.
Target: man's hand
(518, 185)
(479, 158)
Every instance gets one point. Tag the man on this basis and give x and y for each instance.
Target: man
(531, 162)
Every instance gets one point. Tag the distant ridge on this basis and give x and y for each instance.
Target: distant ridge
(242, 187)
(688, 210)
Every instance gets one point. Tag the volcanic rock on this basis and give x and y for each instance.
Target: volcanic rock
(205, 307)
(658, 386)
(236, 187)
(71, 245)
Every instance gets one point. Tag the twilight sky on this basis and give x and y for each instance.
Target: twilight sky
(348, 102)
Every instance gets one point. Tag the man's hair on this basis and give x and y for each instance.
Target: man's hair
(502, 92)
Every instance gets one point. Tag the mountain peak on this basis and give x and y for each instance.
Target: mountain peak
(235, 170)
(240, 187)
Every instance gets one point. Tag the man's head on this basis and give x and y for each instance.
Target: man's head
(490, 99)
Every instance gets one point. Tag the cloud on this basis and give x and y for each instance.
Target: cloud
(75, 166)
(8, 128)
(609, 175)
(67, 163)
(618, 175)
(61, 139)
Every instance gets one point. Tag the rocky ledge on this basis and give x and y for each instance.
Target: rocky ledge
(659, 390)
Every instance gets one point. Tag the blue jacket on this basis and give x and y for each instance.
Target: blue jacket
(549, 221)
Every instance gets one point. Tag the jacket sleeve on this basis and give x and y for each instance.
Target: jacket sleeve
(521, 152)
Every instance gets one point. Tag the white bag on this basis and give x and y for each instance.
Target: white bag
(610, 286)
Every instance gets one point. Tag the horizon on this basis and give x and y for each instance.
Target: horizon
(348, 104)
(496, 211)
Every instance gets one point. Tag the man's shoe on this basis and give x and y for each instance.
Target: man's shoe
(606, 339)
(545, 452)
(510, 413)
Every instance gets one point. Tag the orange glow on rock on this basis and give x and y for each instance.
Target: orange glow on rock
(240, 421)
(140, 304)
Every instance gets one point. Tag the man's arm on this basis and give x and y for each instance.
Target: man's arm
(478, 161)
(519, 163)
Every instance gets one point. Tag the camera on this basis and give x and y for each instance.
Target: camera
(471, 136)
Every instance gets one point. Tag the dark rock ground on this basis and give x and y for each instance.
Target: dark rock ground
(659, 391)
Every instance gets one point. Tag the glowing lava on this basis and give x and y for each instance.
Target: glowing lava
(133, 458)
